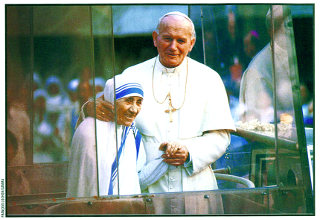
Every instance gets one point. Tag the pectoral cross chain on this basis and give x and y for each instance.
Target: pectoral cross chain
(171, 109)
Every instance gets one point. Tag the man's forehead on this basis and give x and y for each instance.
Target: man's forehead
(176, 18)
(177, 14)
(175, 22)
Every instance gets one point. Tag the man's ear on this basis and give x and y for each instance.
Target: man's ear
(193, 41)
(154, 36)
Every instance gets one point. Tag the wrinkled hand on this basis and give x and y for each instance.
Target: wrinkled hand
(104, 109)
(175, 154)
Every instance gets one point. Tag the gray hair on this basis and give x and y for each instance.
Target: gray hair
(177, 13)
(278, 17)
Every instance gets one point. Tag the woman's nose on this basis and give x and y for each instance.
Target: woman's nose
(133, 108)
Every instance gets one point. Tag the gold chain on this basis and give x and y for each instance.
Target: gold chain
(168, 95)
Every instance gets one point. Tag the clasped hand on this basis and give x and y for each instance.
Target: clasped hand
(174, 153)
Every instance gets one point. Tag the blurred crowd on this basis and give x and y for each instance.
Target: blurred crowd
(55, 113)
(242, 49)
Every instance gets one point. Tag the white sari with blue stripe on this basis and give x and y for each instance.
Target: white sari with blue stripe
(83, 180)
(131, 159)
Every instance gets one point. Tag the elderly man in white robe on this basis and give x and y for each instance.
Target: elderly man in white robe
(111, 166)
(256, 88)
(186, 119)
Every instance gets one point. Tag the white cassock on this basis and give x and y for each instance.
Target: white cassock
(83, 179)
(256, 89)
(202, 106)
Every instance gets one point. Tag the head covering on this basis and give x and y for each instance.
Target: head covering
(73, 85)
(55, 102)
(98, 81)
(39, 93)
(124, 87)
(53, 80)
(254, 33)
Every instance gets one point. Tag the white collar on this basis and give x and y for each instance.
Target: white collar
(161, 68)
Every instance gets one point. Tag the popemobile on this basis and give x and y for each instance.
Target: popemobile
(264, 55)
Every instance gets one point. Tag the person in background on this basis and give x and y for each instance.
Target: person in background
(37, 82)
(18, 119)
(42, 130)
(307, 105)
(39, 106)
(57, 103)
(256, 88)
(251, 43)
(85, 90)
(56, 100)
(72, 113)
(18, 136)
(17, 182)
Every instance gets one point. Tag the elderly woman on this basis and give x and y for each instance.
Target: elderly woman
(94, 169)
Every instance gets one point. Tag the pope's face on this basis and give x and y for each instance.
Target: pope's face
(174, 40)
(127, 109)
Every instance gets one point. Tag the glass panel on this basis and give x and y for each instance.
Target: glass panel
(287, 104)
(19, 43)
(50, 48)
(227, 40)
(63, 67)
(94, 144)
(107, 134)
(240, 50)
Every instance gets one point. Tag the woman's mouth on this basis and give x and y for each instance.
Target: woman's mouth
(130, 116)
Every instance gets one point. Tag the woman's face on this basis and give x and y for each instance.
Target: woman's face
(128, 109)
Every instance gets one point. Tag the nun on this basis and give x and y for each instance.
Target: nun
(106, 161)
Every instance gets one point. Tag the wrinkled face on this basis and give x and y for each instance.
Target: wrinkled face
(128, 109)
(174, 40)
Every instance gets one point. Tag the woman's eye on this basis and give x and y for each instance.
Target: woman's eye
(139, 102)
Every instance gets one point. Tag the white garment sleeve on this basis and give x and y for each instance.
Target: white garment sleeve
(205, 150)
(151, 172)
